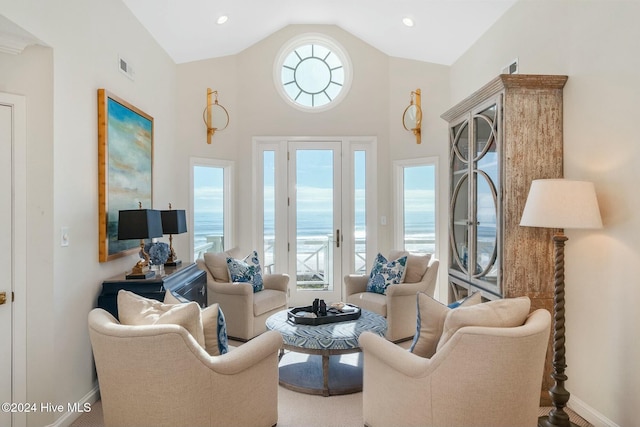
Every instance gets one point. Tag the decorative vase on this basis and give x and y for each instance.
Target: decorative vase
(158, 268)
(158, 254)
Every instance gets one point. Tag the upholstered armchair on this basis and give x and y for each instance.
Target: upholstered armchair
(245, 311)
(159, 375)
(398, 304)
(482, 376)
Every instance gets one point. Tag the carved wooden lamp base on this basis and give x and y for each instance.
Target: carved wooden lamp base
(559, 395)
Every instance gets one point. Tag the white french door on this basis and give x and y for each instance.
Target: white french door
(315, 221)
(315, 211)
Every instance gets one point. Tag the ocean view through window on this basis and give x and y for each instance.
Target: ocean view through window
(416, 205)
(211, 205)
(415, 200)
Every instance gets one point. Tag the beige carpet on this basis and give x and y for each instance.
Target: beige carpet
(304, 410)
(294, 410)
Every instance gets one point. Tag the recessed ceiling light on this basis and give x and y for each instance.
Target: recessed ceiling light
(222, 19)
(407, 21)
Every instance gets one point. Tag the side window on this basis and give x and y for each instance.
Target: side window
(360, 210)
(416, 205)
(211, 215)
(269, 208)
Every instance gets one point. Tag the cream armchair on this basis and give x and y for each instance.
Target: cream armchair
(158, 375)
(398, 304)
(245, 312)
(482, 376)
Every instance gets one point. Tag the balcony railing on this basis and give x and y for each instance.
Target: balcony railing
(312, 269)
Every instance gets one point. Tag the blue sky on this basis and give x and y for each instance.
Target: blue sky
(314, 183)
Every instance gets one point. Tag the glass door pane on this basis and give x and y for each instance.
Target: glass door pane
(459, 226)
(314, 238)
(486, 165)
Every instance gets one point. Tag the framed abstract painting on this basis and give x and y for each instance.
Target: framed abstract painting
(125, 169)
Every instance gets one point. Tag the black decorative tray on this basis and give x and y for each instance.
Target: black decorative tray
(295, 315)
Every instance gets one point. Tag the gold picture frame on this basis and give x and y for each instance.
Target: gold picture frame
(125, 169)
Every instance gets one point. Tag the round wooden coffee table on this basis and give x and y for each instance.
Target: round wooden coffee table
(323, 359)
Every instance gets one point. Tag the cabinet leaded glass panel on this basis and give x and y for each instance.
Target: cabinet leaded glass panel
(474, 197)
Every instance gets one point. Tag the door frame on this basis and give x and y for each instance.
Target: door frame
(19, 252)
(350, 144)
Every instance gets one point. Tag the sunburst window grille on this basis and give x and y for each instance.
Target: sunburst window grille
(312, 74)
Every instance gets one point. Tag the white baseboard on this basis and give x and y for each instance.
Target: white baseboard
(87, 400)
(589, 414)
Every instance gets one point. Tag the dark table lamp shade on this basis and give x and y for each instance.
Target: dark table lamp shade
(139, 224)
(174, 221)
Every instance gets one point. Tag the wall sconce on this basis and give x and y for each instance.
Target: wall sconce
(215, 116)
(412, 117)
(173, 222)
(140, 224)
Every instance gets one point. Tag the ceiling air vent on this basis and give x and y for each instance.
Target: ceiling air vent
(512, 68)
(125, 67)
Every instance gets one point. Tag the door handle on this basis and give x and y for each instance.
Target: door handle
(3, 298)
(337, 238)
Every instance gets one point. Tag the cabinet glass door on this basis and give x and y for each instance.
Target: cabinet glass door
(485, 167)
(473, 229)
(460, 182)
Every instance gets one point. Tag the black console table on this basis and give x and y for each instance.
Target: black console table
(186, 282)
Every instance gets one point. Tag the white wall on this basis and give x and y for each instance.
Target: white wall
(31, 74)
(595, 44)
(433, 81)
(85, 38)
(374, 106)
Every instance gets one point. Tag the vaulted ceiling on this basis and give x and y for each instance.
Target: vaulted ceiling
(442, 29)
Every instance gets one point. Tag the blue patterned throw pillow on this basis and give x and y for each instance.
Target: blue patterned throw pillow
(385, 273)
(215, 330)
(223, 342)
(246, 270)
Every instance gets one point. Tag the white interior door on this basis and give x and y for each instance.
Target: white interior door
(314, 228)
(6, 279)
(13, 231)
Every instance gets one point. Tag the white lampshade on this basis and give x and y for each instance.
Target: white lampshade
(561, 203)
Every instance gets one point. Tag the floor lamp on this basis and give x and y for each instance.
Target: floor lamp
(560, 204)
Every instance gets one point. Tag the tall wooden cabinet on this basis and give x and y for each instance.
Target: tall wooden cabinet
(502, 137)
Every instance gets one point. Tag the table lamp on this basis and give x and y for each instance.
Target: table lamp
(560, 204)
(140, 224)
(173, 222)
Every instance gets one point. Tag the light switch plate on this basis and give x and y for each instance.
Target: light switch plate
(64, 236)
